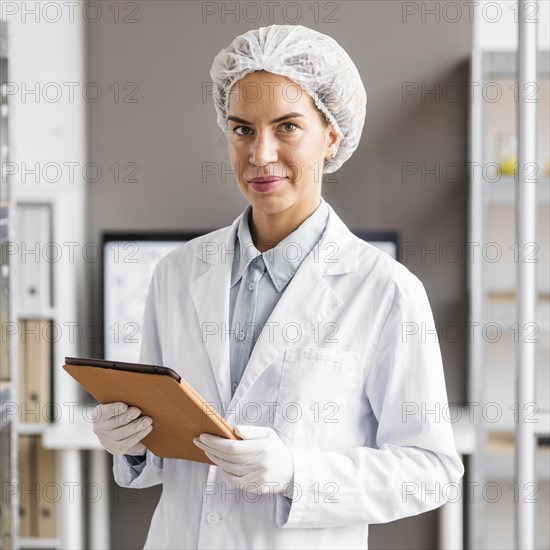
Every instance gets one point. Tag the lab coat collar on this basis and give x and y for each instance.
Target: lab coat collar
(283, 260)
(336, 253)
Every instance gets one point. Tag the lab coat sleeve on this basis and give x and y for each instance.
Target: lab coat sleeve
(414, 467)
(144, 471)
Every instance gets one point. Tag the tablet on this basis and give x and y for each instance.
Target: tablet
(132, 367)
(179, 413)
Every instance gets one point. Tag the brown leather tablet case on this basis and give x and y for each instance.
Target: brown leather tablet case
(179, 413)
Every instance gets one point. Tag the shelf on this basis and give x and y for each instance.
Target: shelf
(500, 308)
(30, 428)
(45, 314)
(504, 442)
(500, 455)
(503, 191)
(78, 435)
(510, 296)
(35, 542)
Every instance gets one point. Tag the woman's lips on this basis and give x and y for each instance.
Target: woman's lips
(263, 185)
(265, 179)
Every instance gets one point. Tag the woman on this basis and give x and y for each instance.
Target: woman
(313, 344)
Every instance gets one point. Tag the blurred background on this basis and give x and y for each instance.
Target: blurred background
(111, 156)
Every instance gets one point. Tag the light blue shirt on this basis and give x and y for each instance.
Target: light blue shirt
(259, 279)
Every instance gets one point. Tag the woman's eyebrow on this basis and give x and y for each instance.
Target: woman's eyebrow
(280, 119)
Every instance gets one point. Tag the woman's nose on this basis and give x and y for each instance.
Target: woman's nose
(263, 150)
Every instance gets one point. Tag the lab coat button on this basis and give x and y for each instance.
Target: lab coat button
(251, 286)
(234, 386)
(212, 518)
(241, 335)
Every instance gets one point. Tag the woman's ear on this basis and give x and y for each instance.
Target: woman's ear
(333, 142)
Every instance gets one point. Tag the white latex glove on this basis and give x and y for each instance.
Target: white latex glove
(119, 429)
(260, 463)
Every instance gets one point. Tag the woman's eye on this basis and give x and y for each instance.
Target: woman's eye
(241, 127)
(290, 124)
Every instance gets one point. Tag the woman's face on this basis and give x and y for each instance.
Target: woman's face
(275, 130)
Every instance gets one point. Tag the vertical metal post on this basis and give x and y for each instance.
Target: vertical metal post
(476, 359)
(70, 508)
(526, 215)
(99, 517)
(451, 517)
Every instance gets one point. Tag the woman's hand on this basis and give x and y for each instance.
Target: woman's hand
(260, 463)
(119, 429)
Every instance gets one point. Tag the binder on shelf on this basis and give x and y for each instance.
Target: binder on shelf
(33, 222)
(35, 370)
(23, 465)
(45, 474)
(38, 492)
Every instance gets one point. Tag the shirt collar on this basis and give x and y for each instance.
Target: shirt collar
(283, 260)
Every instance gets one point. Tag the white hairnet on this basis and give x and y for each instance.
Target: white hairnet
(315, 61)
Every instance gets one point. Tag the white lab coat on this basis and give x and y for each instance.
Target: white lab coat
(353, 362)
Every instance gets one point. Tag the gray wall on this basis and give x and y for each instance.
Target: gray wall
(171, 131)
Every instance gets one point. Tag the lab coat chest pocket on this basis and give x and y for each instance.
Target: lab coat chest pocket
(313, 392)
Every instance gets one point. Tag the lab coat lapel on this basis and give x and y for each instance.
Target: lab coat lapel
(210, 294)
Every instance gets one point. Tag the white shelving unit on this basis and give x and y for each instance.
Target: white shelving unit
(492, 296)
(45, 132)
